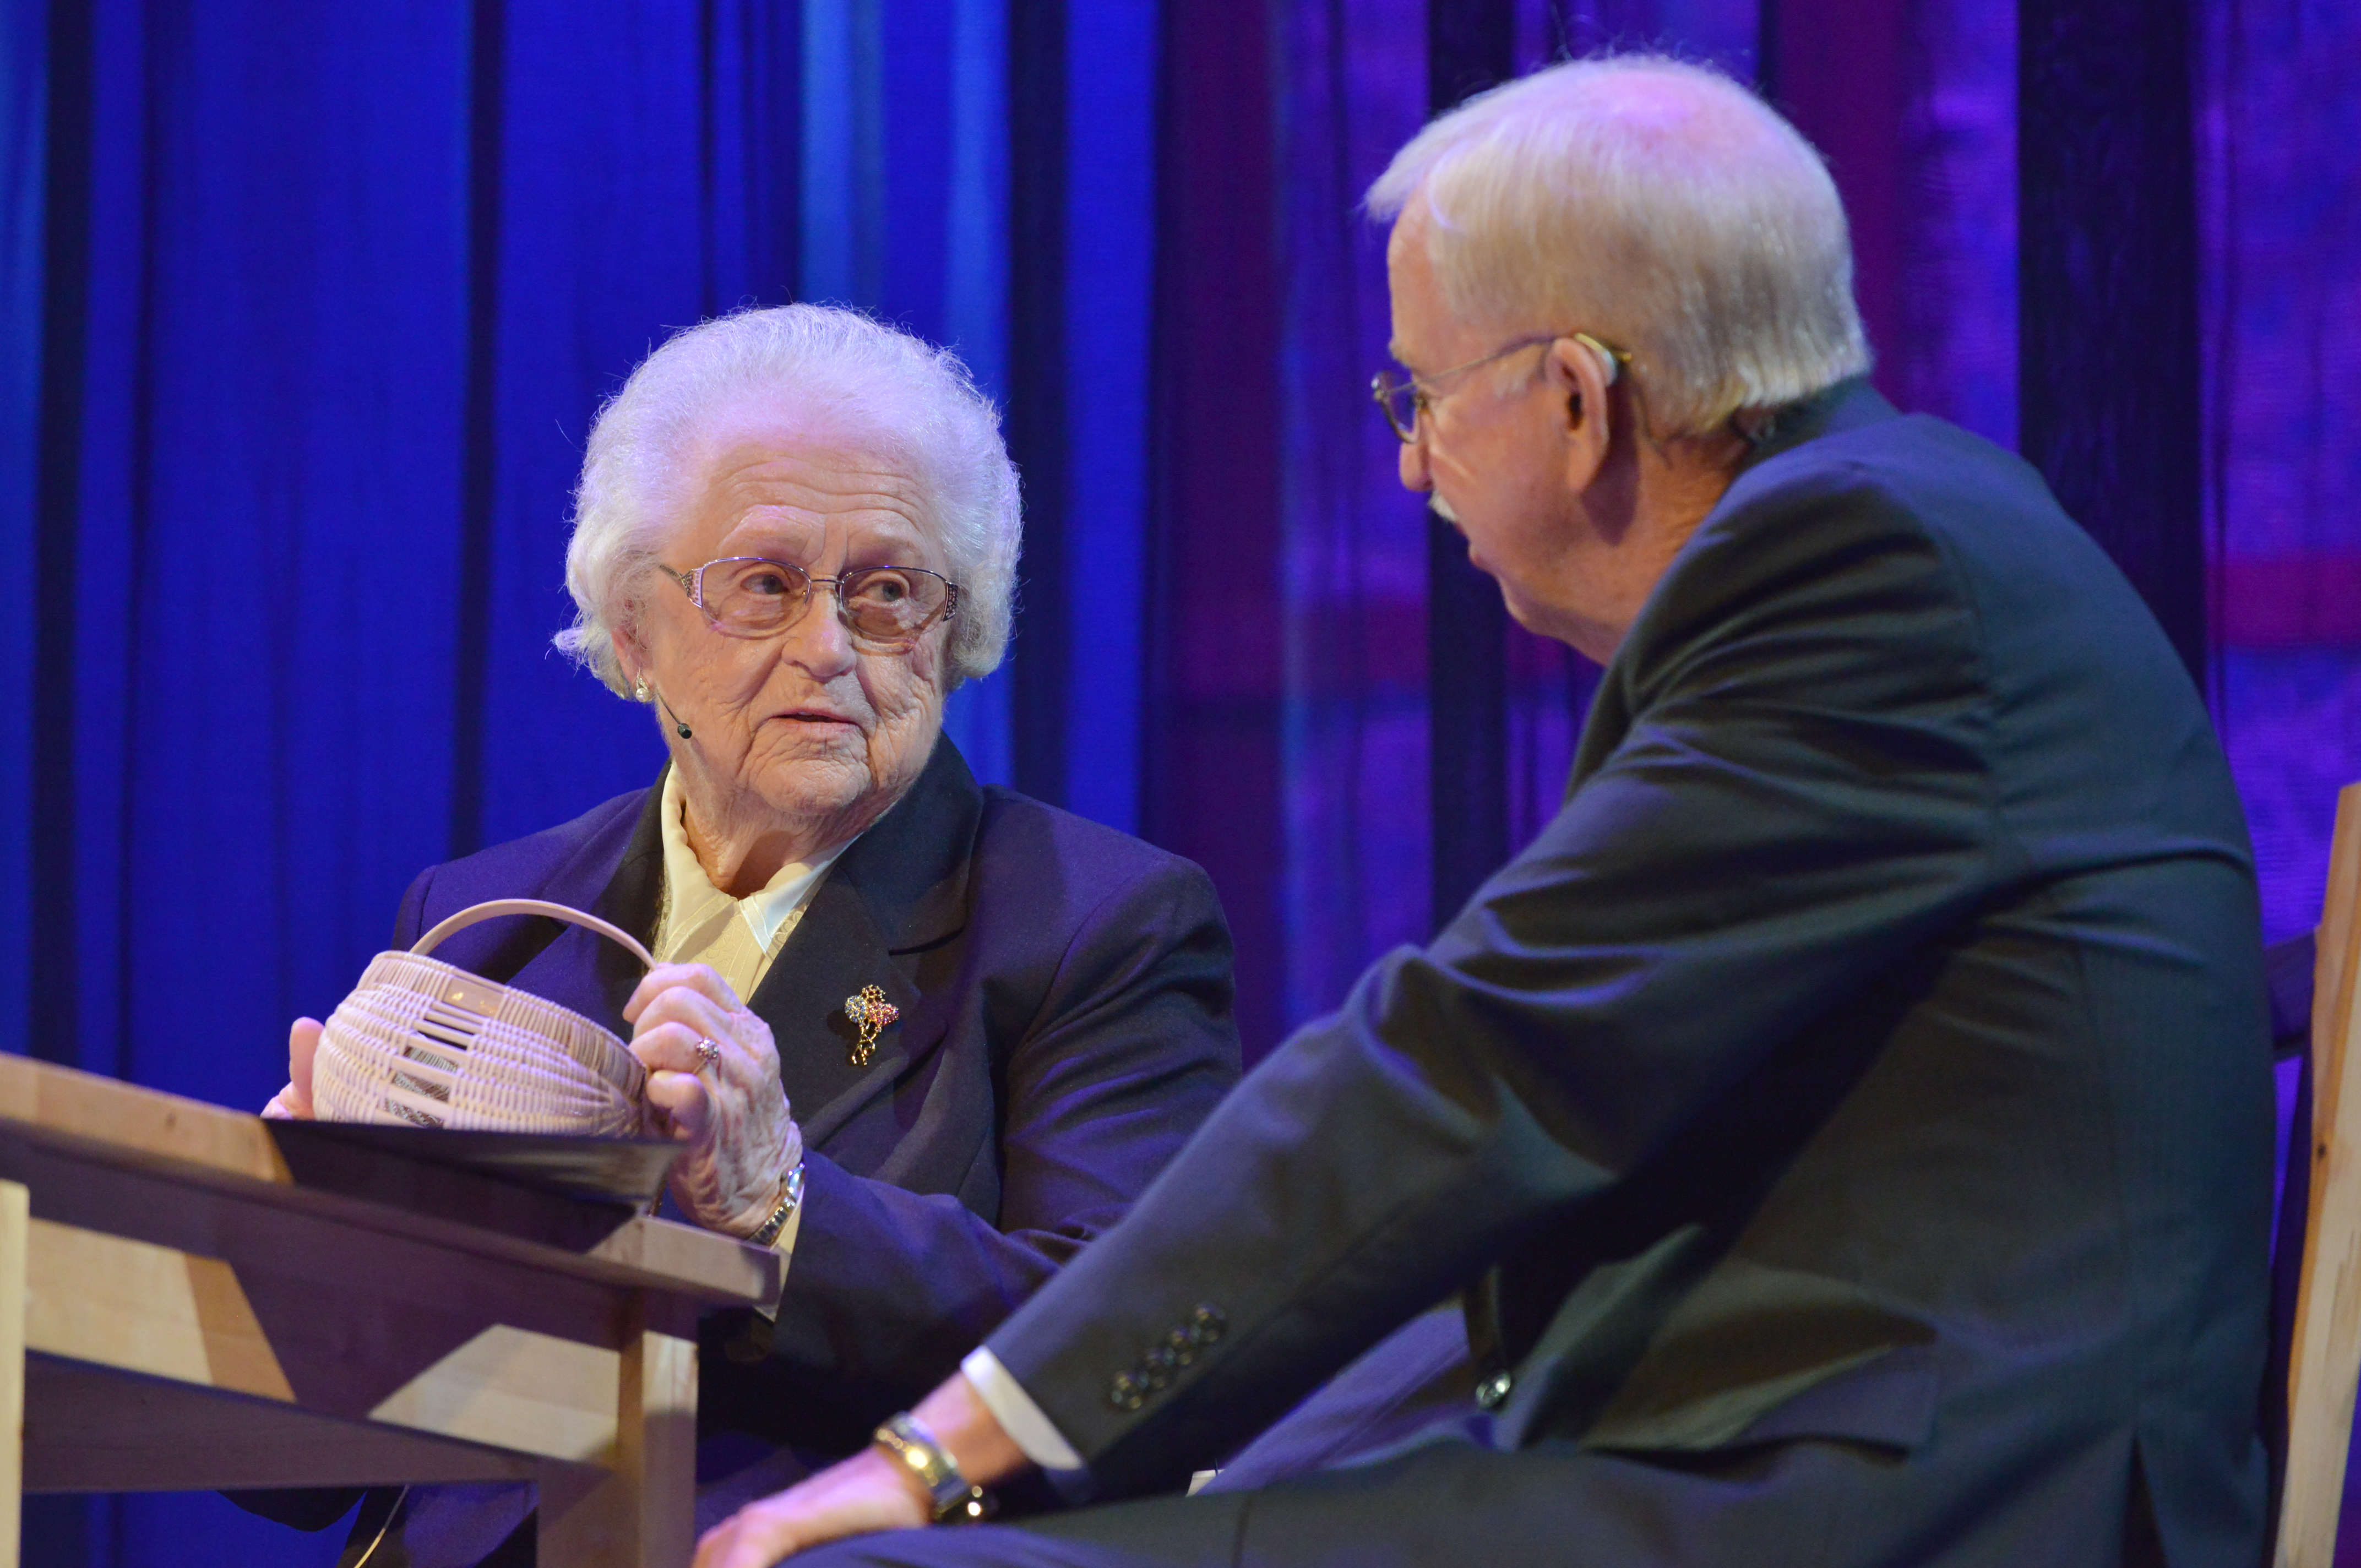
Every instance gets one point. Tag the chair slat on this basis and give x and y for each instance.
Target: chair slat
(2326, 1356)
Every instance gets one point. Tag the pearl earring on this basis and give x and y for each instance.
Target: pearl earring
(640, 690)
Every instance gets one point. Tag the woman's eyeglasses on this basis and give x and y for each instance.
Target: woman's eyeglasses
(885, 608)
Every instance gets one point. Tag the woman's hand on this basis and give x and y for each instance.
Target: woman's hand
(865, 1493)
(294, 1103)
(732, 1114)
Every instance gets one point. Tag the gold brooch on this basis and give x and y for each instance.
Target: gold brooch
(870, 1012)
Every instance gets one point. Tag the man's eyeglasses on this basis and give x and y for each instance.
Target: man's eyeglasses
(885, 607)
(1405, 398)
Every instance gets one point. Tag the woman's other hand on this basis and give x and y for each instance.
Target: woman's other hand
(294, 1103)
(732, 1114)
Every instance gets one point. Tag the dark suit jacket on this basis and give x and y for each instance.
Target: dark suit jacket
(1869, 1063)
(1065, 1025)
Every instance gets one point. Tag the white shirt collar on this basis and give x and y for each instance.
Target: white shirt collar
(693, 904)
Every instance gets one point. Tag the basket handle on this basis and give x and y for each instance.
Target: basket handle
(476, 914)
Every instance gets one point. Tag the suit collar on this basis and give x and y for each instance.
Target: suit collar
(632, 897)
(1848, 405)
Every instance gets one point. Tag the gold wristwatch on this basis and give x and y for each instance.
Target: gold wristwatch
(957, 1501)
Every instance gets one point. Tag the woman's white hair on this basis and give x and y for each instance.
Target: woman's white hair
(1655, 205)
(846, 381)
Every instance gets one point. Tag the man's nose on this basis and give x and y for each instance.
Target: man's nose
(1415, 473)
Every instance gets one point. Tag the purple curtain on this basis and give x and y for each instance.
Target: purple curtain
(2279, 206)
(1353, 572)
(2281, 200)
(1929, 169)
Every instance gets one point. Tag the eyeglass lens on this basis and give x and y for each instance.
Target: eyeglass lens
(1399, 399)
(880, 604)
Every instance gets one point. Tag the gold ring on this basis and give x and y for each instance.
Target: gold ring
(709, 1052)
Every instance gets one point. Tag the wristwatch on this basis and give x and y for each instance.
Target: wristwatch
(956, 1500)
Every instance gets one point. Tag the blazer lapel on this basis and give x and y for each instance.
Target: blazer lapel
(580, 969)
(900, 889)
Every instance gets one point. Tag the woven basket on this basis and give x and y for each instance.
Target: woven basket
(424, 1042)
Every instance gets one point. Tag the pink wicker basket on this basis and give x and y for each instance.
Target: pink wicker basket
(423, 1042)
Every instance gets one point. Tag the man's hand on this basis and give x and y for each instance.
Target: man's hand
(294, 1103)
(871, 1491)
(865, 1493)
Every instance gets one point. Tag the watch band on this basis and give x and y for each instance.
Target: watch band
(791, 1198)
(955, 1498)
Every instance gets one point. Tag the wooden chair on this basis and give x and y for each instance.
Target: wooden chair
(2319, 1350)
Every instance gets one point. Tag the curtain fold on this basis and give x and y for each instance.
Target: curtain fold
(24, 171)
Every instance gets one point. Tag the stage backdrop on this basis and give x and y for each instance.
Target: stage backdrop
(308, 310)
(304, 311)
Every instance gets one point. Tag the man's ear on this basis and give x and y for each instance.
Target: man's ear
(1578, 381)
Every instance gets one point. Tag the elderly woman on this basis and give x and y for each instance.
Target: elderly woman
(927, 1037)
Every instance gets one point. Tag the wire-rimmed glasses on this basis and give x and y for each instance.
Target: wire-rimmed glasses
(1404, 399)
(885, 607)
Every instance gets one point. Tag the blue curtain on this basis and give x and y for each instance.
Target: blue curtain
(350, 286)
(23, 166)
(307, 311)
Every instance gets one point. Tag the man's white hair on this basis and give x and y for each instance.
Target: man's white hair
(1652, 204)
(848, 383)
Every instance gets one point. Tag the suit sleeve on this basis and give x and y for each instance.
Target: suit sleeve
(1128, 1052)
(1799, 794)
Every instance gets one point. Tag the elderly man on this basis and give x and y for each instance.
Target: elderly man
(1848, 1121)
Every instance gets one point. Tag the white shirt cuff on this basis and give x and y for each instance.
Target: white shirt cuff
(1018, 1416)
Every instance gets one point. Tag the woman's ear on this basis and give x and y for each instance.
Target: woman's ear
(631, 658)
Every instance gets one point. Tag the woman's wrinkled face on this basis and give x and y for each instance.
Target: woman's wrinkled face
(807, 722)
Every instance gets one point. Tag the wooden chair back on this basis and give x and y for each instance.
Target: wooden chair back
(2323, 1346)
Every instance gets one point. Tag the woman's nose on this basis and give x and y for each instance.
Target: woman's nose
(819, 640)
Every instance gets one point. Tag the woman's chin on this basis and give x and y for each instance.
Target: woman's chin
(805, 787)
(793, 742)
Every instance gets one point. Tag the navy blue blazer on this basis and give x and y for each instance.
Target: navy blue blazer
(1066, 1023)
(1851, 1115)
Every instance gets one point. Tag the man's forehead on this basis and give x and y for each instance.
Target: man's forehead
(1417, 307)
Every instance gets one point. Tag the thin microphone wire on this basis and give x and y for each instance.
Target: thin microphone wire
(391, 1514)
